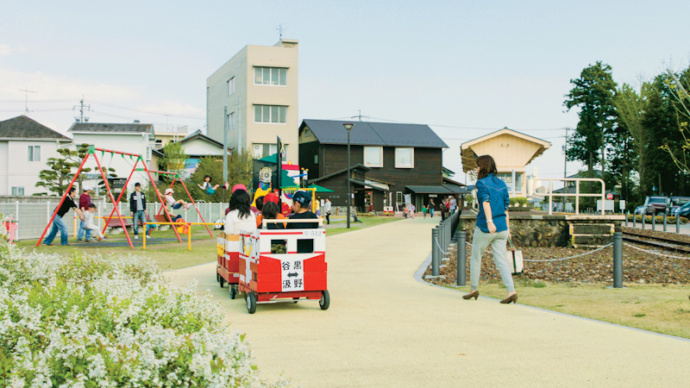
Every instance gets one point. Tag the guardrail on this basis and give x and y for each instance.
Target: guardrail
(576, 194)
(441, 237)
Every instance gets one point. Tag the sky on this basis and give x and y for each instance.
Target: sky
(466, 68)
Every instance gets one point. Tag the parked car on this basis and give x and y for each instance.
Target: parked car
(678, 201)
(682, 211)
(640, 209)
(656, 205)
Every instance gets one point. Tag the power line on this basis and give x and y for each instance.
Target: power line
(147, 112)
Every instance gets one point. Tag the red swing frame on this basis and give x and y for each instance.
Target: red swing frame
(92, 152)
(176, 177)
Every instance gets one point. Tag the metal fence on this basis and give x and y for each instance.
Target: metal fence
(441, 237)
(33, 217)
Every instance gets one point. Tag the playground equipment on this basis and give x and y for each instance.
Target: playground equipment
(176, 178)
(91, 152)
(283, 265)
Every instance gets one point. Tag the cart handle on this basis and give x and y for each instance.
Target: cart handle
(289, 221)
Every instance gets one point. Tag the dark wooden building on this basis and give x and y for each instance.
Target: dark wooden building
(387, 161)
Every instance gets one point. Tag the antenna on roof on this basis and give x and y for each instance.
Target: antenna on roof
(280, 31)
(359, 115)
(82, 108)
(26, 98)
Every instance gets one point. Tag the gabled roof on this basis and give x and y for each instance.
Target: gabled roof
(375, 134)
(198, 135)
(506, 131)
(355, 167)
(111, 128)
(22, 127)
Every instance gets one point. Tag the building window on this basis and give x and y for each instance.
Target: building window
(398, 197)
(34, 153)
(373, 156)
(159, 144)
(270, 76)
(507, 177)
(316, 158)
(404, 158)
(264, 150)
(270, 114)
(18, 191)
(231, 86)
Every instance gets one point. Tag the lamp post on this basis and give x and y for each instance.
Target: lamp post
(348, 126)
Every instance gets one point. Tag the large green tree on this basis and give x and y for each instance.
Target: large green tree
(61, 170)
(593, 95)
(631, 107)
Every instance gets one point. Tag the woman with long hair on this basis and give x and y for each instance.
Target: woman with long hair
(240, 218)
(493, 228)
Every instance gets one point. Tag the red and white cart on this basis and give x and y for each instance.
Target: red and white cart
(272, 268)
(228, 247)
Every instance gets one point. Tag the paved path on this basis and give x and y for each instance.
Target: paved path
(384, 329)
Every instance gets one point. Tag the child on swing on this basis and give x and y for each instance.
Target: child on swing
(175, 204)
(210, 190)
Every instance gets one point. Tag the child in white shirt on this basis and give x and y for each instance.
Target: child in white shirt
(90, 224)
(175, 204)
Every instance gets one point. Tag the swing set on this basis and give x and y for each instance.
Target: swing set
(92, 152)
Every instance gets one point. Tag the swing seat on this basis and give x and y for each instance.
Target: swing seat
(115, 223)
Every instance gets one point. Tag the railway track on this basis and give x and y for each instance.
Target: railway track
(657, 242)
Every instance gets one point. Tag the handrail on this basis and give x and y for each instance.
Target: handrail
(576, 194)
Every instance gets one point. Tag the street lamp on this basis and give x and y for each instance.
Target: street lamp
(348, 126)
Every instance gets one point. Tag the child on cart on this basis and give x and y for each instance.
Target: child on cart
(240, 218)
(301, 202)
(175, 204)
(210, 190)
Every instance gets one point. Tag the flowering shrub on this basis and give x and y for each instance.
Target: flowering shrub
(97, 321)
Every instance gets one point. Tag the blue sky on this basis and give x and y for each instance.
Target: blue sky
(467, 68)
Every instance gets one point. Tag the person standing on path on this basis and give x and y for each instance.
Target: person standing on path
(493, 228)
(327, 211)
(84, 202)
(431, 208)
(59, 223)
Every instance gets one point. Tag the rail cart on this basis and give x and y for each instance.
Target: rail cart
(283, 265)
(228, 247)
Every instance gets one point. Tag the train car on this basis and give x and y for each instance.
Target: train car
(227, 271)
(284, 265)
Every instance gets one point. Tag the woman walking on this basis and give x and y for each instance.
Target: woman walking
(493, 228)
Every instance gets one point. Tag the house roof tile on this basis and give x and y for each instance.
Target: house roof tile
(375, 134)
(22, 127)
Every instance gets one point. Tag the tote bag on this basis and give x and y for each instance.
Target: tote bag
(515, 262)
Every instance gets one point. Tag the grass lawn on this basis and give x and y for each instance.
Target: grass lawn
(169, 255)
(659, 308)
(367, 221)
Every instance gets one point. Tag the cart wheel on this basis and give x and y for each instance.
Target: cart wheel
(251, 302)
(233, 291)
(295, 300)
(218, 277)
(222, 282)
(325, 300)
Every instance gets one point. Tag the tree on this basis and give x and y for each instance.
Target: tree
(174, 158)
(631, 107)
(240, 168)
(208, 166)
(678, 87)
(593, 93)
(61, 170)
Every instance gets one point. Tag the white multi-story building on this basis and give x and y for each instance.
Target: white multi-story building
(256, 92)
(136, 138)
(25, 146)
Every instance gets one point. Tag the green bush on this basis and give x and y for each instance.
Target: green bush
(521, 201)
(659, 219)
(110, 321)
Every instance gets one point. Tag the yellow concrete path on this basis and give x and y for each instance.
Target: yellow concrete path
(384, 329)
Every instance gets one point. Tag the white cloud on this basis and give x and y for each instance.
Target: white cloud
(6, 50)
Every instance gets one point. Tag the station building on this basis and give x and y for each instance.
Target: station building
(512, 151)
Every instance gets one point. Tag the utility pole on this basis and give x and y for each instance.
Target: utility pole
(26, 98)
(225, 147)
(565, 154)
(82, 109)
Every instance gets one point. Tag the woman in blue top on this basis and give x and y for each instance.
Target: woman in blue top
(493, 227)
